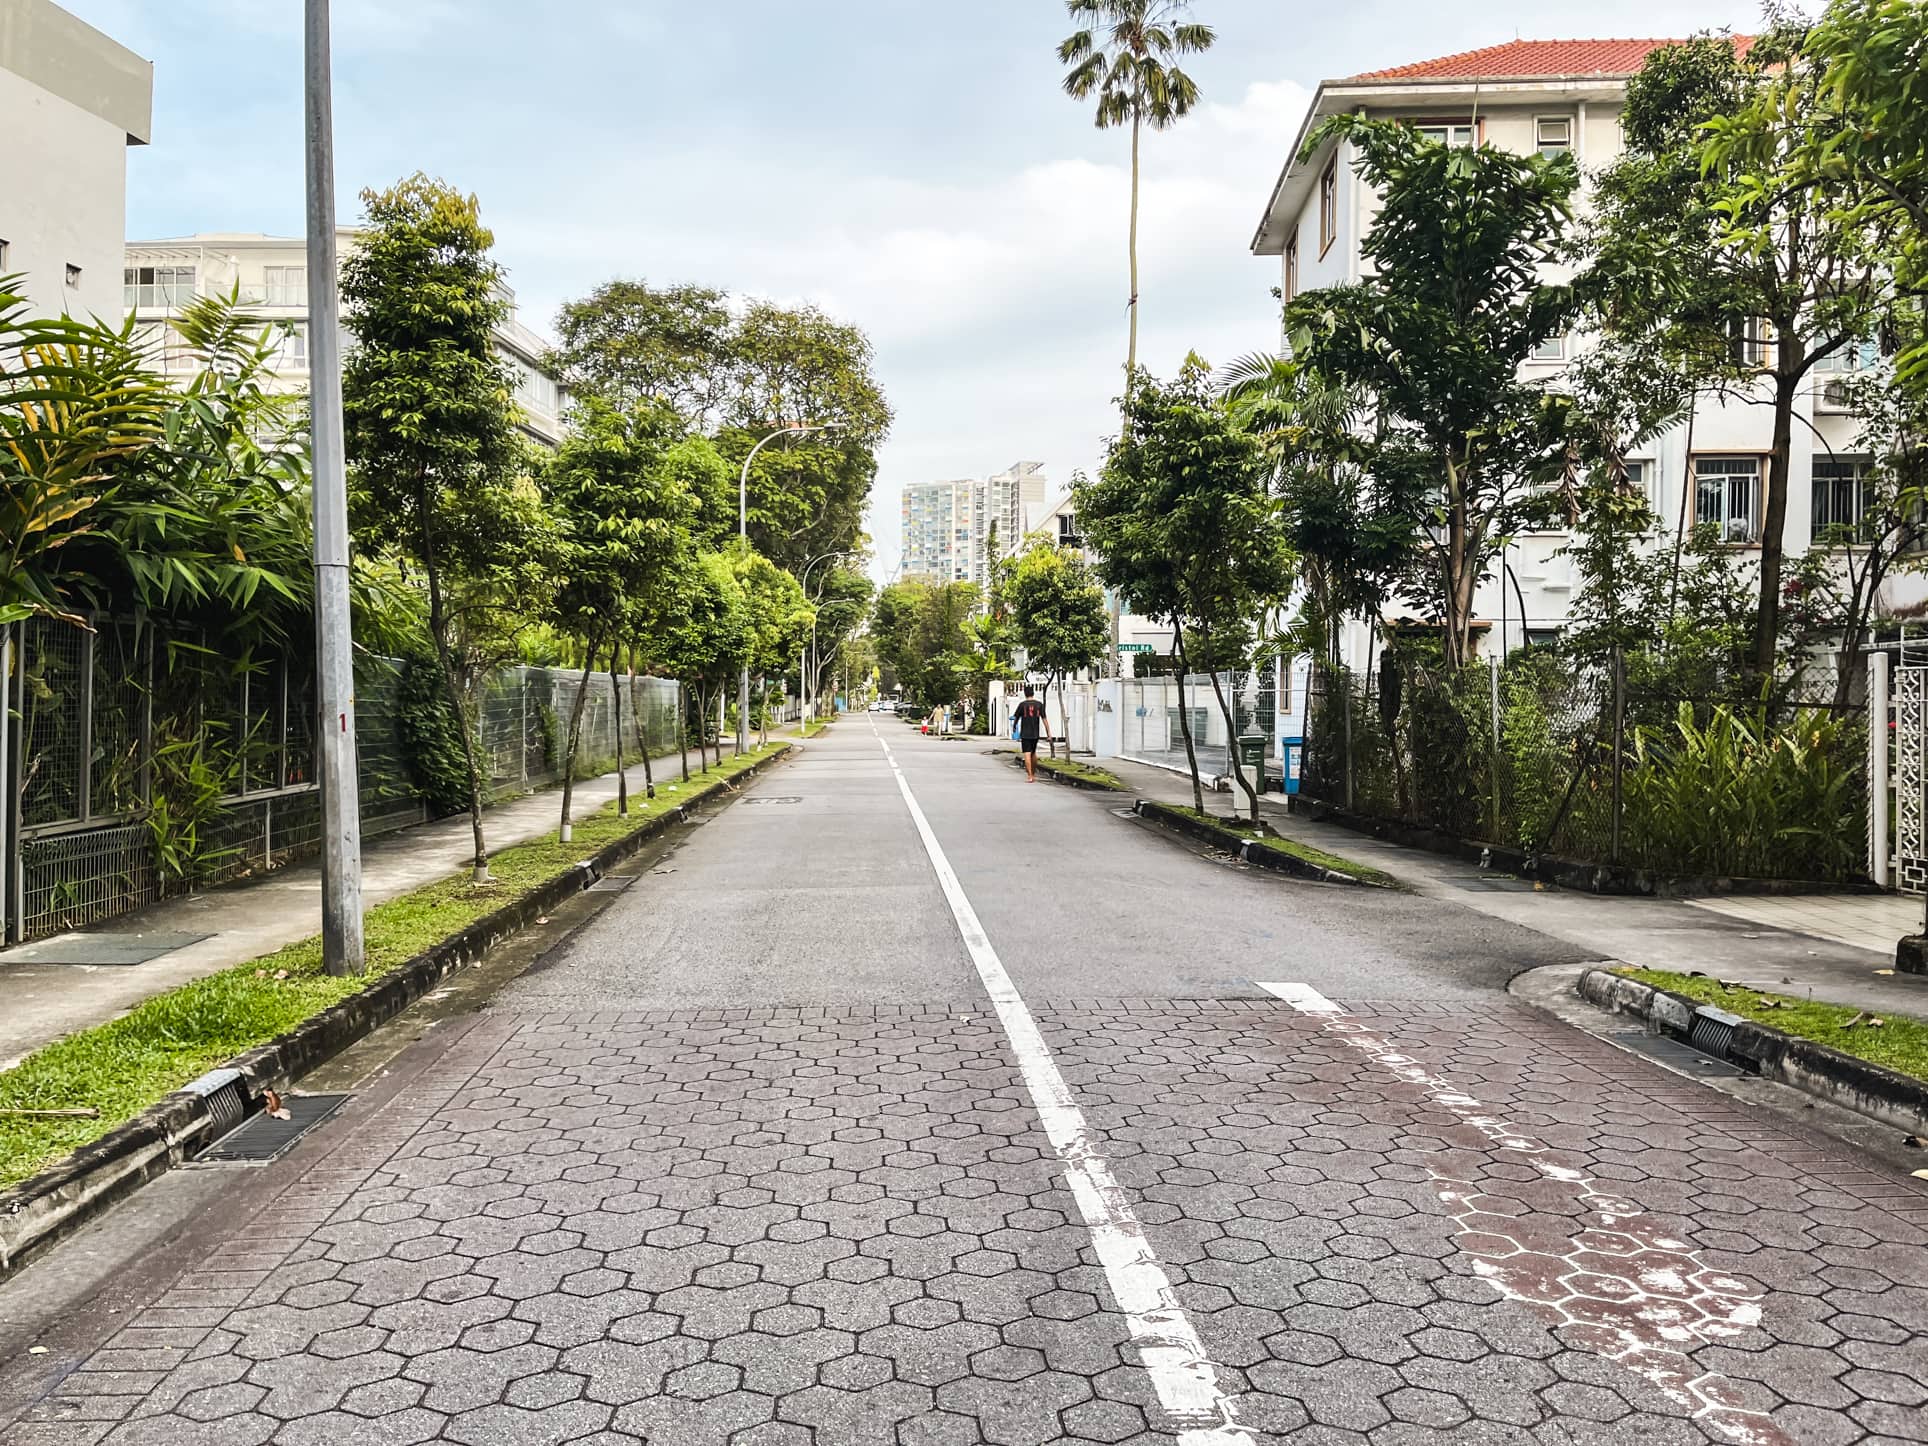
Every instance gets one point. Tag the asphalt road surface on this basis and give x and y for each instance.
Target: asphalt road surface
(905, 1102)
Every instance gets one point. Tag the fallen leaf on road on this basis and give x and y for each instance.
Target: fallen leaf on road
(1884, 971)
(276, 1110)
(1913, 1142)
(36, 1350)
(542, 918)
(1921, 1174)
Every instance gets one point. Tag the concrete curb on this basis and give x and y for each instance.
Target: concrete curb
(1017, 762)
(44, 1208)
(1881, 1094)
(1206, 831)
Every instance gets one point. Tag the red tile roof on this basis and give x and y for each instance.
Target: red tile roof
(1533, 60)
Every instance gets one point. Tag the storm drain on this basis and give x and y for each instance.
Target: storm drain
(226, 1097)
(262, 1137)
(1673, 1053)
(765, 802)
(1712, 1030)
(611, 884)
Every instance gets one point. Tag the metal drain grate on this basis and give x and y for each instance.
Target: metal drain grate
(611, 884)
(1712, 1030)
(262, 1138)
(103, 948)
(1683, 1057)
(754, 802)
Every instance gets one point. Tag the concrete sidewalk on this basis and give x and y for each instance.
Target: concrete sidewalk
(1824, 946)
(246, 920)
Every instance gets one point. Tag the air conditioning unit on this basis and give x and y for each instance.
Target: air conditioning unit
(1834, 396)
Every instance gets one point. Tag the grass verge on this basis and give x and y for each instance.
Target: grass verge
(1900, 1043)
(812, 727)
(127, 1064)
(1304, 853)
(1083, 772)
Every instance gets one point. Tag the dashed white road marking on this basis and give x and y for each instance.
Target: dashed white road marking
(1630, 1290)
(1169, 1349)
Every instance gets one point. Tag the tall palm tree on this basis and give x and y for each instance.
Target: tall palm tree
(1123, 54)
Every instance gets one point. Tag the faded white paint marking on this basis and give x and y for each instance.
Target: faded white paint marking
(1302, 997)
(1173, 1356)
(1627, 1290)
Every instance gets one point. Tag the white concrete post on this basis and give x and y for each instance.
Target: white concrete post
(1880, 856)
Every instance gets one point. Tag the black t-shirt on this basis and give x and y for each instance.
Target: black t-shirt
(1030, 716)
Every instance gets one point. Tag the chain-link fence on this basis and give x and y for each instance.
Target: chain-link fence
(1151, 727)
(141, 762)
(1576, 760)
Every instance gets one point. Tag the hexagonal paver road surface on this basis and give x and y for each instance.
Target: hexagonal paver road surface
(1434, 1219)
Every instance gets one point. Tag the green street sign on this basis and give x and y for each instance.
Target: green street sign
(1134, 647)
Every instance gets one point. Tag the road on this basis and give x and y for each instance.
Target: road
(905, 1102)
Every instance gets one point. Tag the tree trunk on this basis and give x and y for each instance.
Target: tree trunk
(1231, 735)
(642, 727)
(1185, 717)
(438, 630)
(1131, 349)
(1767, 625)
(575, 737)
(622, 779)
(763, 710)
(683, 727)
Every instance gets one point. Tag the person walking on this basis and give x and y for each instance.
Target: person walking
(1029, 717)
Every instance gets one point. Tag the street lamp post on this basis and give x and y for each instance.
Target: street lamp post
(341, 869)
(743, 531)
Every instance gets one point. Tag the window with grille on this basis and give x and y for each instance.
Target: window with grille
(1727, 495)
(1841, 498)
(1329, 205)
(152, 286)
(1447, 132)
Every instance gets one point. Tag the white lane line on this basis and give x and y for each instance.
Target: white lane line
(1168, 1347)
(1625, 1288)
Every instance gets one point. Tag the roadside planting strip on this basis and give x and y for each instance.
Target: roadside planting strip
(1627, 1289)
(1169, 1349)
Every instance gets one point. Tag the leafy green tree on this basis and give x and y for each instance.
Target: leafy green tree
(780, 618)
(1123, 53)
(1058, 614)
(1863, 135)
(621, 520)
(708, 634)
(438, 465)
(1186, 527)
(633, 342)
(1744, 287)
(1432, 340)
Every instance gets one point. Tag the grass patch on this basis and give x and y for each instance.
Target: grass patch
(129, 1063)
(1303, 852)
(813, 726)
(1901, 1043)
(1083, 772)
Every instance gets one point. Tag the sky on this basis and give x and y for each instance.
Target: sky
(912, 168)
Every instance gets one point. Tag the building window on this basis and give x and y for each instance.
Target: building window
(1291, 266)
(1329, 205)
(1551, 350)
(157, 286)
(1554, 135)
(292, 352)
(3, 253)
(1747, 339)
(1855, 356)
(286, 285)
(1727, 495)
(1446, 132)
(1640, 478)
(1841, 500)
(73, 275)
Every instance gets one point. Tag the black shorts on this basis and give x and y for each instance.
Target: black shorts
(1027, 745)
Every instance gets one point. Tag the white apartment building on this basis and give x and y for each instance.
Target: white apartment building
(1559, 96)
(71, 102)
(270, 273)
(953, 531)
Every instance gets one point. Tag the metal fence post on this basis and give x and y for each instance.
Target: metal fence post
(1345, 711)
(1619, 746)
(522, 696)
(1880, 860)
(84, 764)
